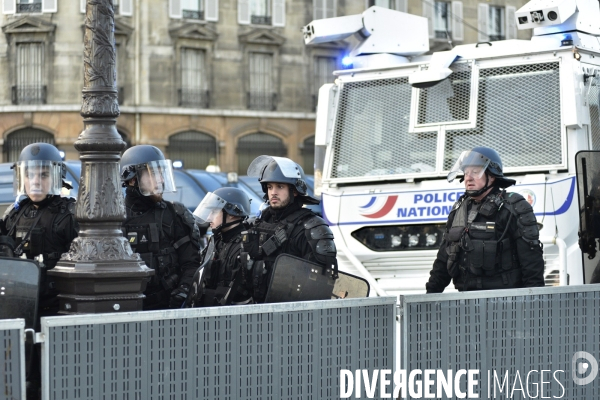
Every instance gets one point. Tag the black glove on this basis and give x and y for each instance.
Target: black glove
(178, 296)
(7, 246)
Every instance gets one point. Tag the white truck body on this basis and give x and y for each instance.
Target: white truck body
(389, 145)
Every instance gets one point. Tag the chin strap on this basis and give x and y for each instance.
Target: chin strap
(217, 231)
(475, 193)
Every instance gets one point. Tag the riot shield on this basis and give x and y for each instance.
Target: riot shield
(295, 279)
(196, 290)
(588, 189)
(19, 287)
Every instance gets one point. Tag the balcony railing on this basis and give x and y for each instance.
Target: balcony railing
(29, 94)
(495, 38)
(29, 8)
(442, 34)
(194, 98)
(191, 14)
(262, 101)
(260, 20)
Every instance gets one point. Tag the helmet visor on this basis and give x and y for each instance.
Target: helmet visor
(469, 163)
(37, 178)
(288, 168)
(156, 177)
(210, 206)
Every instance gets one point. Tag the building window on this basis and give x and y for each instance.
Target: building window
(260, 12)
(193, 91)
(30, 87)
(441, 22)
(16, 141)
(323, 73)
(496, 23)
(192, 9)
(324, 9)
(256, 144)
(261, 95)
(195, 149)
(29, 6)
(308, 155)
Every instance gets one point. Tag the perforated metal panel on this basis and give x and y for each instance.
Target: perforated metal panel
(449, 100)
(594, 104)
(12, 358)
(275, 351)
(508, 333)
(371, 132)
(518, 113)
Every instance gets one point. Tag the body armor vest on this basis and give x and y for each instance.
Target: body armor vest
(151, 234)
(38, 231)
(478, 248)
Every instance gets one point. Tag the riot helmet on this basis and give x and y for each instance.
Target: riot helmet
(232, 201)
(480, 160)
(153, 173)
(39, 172)
(271, 169)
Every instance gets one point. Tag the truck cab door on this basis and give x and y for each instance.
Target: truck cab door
(588, 191)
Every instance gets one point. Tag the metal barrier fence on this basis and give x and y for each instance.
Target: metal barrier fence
(266, 351)
(12, 358)
(528, 339)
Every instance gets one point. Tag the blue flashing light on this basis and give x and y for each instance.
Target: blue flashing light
(566, 41)
(347, 62)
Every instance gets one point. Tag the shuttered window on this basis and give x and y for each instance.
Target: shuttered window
(256, 144)
(324, 9)
(193, 91)
(30, 87)
(261, 95)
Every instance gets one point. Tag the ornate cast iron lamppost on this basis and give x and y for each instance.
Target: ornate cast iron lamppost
(100, 273)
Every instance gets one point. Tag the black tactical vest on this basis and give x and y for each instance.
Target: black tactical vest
(479, 244)
(152, 235)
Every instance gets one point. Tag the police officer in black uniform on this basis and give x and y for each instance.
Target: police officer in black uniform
(163, 233)
(224, 280)
(285, 227)
(41, 222)
(491, 239)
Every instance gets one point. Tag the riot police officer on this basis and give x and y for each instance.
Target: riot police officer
(163, 233)
(41, 222)
(491, 239)
(285, 227)
(224, 280)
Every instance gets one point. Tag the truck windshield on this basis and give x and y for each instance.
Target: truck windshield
(386, 128)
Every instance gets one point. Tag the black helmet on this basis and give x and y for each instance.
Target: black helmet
(146, 158)
(237, 201)
(270, 169)
(40, 155)
(495, 166)
(232, 201)
(489, 161)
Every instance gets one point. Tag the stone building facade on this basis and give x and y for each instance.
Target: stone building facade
(207, 81)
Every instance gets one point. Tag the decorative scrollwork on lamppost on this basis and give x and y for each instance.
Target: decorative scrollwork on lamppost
(100, 273)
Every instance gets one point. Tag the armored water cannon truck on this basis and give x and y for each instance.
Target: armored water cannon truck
(390, 128)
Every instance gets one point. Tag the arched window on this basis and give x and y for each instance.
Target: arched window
(308, 155)
(16, 140)
(256, 144)
(195, 149)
